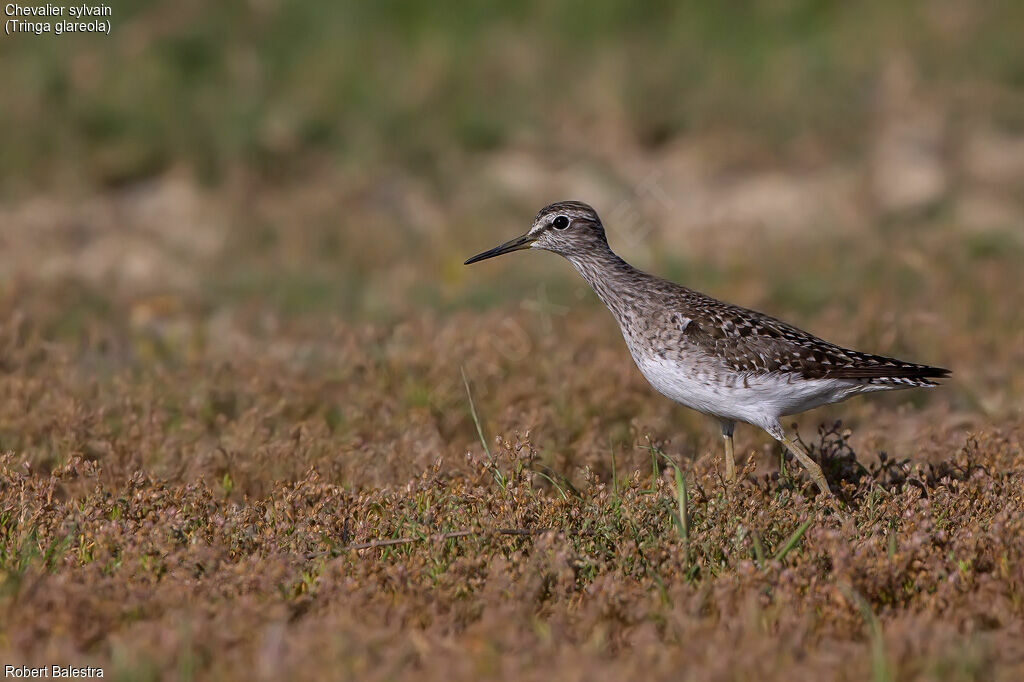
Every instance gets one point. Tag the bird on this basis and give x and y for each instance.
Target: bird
(723, 360)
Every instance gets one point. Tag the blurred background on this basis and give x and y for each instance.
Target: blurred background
(219, 199)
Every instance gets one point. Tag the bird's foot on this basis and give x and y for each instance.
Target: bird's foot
(813, 470)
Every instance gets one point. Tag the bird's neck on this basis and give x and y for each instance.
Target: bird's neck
(612, 279)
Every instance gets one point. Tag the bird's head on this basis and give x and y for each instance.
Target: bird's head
(567, 228)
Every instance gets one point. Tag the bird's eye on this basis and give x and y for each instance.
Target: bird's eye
(560, 223)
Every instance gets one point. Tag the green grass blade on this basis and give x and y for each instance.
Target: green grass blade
(498, 476)
(552, 482)
(472, 411)
(615, 478)
(682, 500)
(793, 540)
(654, 470)
(880, 671)
(755, 540)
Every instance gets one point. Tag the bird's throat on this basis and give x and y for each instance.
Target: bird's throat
(613, 280)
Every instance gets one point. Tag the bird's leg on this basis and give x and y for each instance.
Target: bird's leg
(730, 461)
(812, 467)
(801, 455)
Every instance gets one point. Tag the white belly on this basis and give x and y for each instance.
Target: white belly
(748, 398)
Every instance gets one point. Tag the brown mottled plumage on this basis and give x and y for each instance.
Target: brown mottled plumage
(730, 362)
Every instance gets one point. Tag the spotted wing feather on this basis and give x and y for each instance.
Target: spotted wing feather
(752, 342)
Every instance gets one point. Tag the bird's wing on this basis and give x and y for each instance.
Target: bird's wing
(748, 341)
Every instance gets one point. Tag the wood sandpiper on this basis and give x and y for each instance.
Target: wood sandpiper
(719, 359)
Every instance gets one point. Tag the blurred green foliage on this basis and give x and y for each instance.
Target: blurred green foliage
(265, 84)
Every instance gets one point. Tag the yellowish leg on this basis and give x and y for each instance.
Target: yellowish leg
(812, 467)
(730, 461)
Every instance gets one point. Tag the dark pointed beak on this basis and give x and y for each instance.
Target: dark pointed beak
(517, 244)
